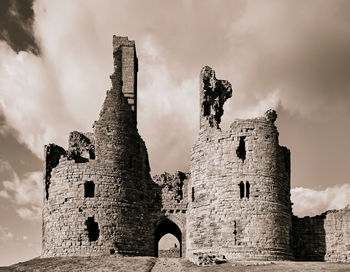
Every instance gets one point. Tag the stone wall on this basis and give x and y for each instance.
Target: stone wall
(99, 195)
(308, 241)
(127, 50)
(337, 228)
(172, 192)
(173, 252)
(323, 237)
(239, 191)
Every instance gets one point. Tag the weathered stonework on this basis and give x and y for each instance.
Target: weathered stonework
(309, 238)
(99, 197)
(240, 189)
(174, 201)
(98, 200)
(323, 237)
(173, 252)
(213, 94)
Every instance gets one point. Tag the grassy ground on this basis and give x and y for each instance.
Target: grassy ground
(146, 264)
(82, 264)
(272, 267)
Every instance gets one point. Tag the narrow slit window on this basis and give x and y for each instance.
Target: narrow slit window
(92, 229)
(130, 162)
(89, 189)
(241, 189)
(206, 108)
(158, 198)
(235, 231)
(247, 189)
(192, 194)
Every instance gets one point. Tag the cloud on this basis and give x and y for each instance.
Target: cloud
(5, 234)
(33, 213)
(296, 47)
(25, 194)
(4, 194)
(308, 202)
(16, 25)
(5, 166)
(26, 190)
(24, 78)
(287, 54)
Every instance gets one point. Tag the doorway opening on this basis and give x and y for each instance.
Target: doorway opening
(168, 240)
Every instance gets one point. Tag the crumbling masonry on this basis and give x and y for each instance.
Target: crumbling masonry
(99, 197)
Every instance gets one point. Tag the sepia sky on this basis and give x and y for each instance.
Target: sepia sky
(56, 58)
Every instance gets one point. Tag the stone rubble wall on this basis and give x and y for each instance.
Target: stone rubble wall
(99, 197)
(116, 207)
(173, 190)
(337, 228)
(173, 252)
(172, 193)
(219, 221)
(262, 223)
(118, 218)
(213, 94)
(323, 237)
(309, 238)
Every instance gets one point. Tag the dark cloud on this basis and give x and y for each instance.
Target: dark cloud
(16, 25)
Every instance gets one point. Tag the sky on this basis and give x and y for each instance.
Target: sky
(56, 58)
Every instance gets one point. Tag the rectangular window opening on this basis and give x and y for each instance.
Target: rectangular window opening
(89, 189)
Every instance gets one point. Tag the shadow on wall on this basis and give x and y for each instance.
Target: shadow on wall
(309, 238)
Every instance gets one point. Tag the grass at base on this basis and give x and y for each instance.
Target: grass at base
(145, 264)
(272, 267)
(82, 264)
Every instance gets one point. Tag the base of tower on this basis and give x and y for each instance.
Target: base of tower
(243, 254)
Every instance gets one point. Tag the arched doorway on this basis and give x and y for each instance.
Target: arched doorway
(166, 226)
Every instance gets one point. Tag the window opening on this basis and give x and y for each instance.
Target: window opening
(247, 189)
(206, 108)
(241, 189)
(130, 162)
(89, 189)
(241, 152)
(92, 229)
(235, 231)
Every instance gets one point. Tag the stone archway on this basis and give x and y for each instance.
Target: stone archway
(166, 226)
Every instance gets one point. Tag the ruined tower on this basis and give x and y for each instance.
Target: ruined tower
(99, 198)
(95, 197)
(239, 191)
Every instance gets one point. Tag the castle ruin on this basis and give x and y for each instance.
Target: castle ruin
(99, 197)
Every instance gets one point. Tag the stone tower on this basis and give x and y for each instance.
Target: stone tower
(96, 192)
(239, 191)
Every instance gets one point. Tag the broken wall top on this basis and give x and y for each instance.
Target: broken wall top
(213, 94)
